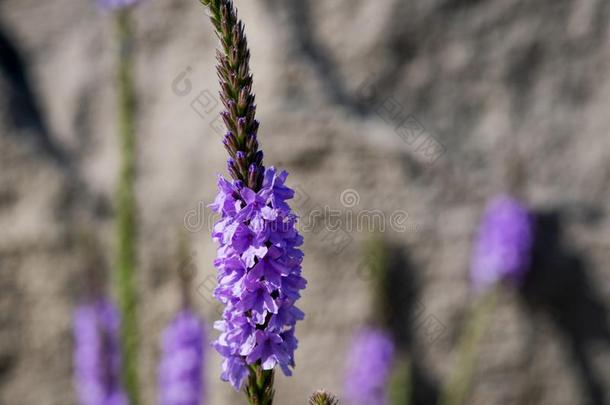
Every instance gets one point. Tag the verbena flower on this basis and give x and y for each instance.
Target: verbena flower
(259, 276)
(258, 260)
(182, 355)
(369, 364)
(97, 358)
(115, 4)
(504, 242)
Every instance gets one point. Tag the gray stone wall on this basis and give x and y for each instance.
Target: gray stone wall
(391, 106)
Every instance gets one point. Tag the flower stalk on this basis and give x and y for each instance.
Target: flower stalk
(455, 391)
(126, 205)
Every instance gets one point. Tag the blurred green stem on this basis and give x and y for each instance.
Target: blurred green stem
(385, 315)
(400, 384)
(126, 206)
(456, 389)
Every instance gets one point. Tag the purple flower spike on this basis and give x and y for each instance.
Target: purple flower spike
(369, 364)
(115, 4)
(504, 243)
(258, 260)
(97, 359)
(259, 276)
(182, 357)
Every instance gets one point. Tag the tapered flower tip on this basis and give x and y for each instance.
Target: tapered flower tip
(369, 363)
(322, 397)
(115, 4)
(502, 250)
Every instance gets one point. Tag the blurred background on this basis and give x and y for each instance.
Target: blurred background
(408, 115)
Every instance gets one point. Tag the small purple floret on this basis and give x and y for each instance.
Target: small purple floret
(503, 247)
(369, 364)
(97, 358)
(181, 379)
(259, 276)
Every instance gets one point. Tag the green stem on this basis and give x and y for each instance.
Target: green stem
(456, 390)
(400, 384)
(259, 387)
(126, 206)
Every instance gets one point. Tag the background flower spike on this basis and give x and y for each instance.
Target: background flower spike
(183, 343)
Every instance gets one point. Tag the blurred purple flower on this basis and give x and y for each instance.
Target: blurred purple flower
(259, 276)
(369, 364)
(97, 358)
(181, 379)
(504, 242)
(115, 4)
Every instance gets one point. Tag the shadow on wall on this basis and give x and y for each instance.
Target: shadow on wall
(404, 312)
(302, 35)
(559, 287)
(26, 121)
(23, 107)
(308, 47)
